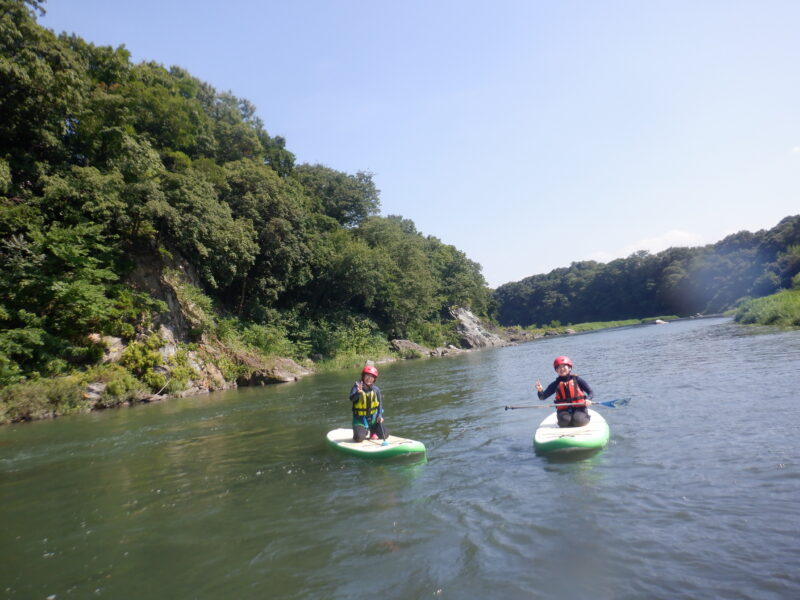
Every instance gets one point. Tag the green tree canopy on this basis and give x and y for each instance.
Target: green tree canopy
(349, 199)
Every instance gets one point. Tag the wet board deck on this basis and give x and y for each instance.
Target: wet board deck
(549, 437)
(342, 439)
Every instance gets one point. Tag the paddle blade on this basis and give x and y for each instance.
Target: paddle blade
(614, 403)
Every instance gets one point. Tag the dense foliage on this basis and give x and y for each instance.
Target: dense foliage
(106, 166)
(680, 281)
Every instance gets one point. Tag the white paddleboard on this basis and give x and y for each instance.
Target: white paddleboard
(549, 437)
(342, 439)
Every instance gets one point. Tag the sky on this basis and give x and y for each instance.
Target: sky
(528, 134)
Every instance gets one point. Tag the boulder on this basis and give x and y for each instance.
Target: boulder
(94, 391)
(448, 350)
(278, 370)
(408, 348)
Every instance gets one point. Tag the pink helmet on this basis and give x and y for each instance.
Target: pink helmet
(369, 370)
(562, 360)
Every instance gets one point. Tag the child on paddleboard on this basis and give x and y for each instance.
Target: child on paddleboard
(569, 389)
(367, 406)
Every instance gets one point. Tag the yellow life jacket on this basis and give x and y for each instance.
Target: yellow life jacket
(366, 404)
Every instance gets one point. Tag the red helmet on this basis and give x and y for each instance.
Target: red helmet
(369, 370)
(562, 360)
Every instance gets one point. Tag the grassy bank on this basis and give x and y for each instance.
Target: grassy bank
(781, 309)
(558, 329)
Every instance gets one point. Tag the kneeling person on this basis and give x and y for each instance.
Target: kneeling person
(569, 389)
(367, 407)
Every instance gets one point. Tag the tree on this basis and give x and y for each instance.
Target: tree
(278, 211)
(350, 199)
(408, 279)
(204, 230)
(43, 87)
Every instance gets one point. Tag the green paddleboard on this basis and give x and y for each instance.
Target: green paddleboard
(549, 437)
(342, 439)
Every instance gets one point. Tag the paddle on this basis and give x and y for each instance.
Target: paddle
(610, 403)
(383, 434)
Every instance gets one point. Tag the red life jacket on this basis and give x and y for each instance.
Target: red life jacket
(569, 392)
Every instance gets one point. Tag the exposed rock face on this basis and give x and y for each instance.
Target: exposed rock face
(161, 275)
(210, 378)
(407, 346)
(279, 370)
(112, 346)
(473, 332)
(408, 349)
(149, 275)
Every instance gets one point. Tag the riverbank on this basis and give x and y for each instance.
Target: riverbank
(519, 334)
(781, 309)
(160, 366)
(184, 371)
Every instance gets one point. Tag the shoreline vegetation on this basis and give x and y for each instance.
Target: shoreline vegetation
(557, 329)
(140, 367)
(126, 383)
(780, 310)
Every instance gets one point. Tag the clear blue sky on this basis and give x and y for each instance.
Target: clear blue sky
(529, 134)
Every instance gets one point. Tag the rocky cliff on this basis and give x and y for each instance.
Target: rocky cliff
(184, 328)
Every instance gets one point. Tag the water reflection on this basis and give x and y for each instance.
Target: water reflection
(586, 456)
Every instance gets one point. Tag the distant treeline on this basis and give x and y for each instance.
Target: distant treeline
(107, 166)
(679, 281)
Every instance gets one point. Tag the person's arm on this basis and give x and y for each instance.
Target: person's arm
(355, 391)
(551, 389)
(585, 387)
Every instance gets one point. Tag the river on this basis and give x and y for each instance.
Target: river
(236, 494)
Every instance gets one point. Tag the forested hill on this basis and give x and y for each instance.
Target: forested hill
(108, 169)
(677, 281)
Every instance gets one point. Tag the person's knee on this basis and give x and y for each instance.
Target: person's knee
(564, 418)
(360, 434)
(579, 419)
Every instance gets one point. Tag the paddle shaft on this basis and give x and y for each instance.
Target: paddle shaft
(547, 405)
(609, 403)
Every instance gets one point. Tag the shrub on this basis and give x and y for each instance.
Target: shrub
(143, 358)
(433, 335)
(121, 385)
(41, 399)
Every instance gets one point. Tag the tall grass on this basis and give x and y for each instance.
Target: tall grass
(781, 309)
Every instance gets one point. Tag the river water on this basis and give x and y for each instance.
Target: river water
(236, 495)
